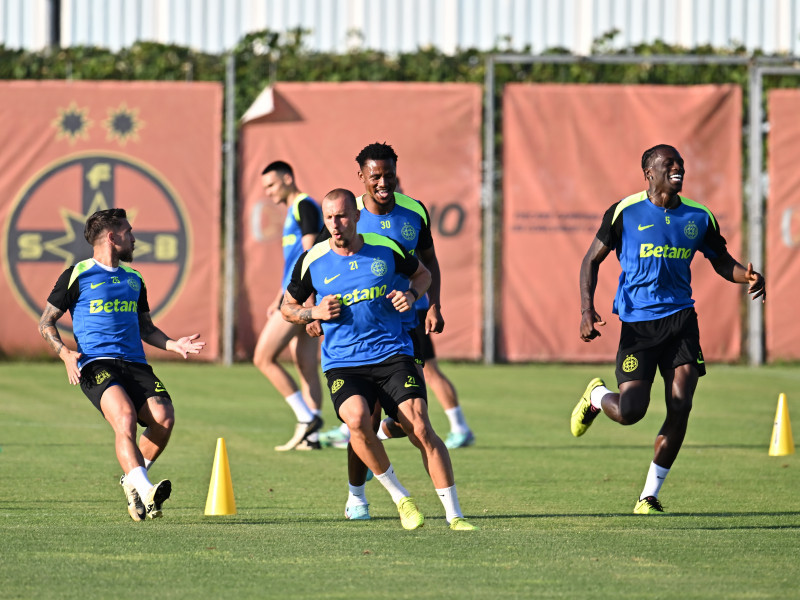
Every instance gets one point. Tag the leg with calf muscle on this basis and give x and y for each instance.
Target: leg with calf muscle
(679, 386)
(413, 417)
(159, 415)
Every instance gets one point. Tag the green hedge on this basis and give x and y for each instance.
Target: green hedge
(267, 56)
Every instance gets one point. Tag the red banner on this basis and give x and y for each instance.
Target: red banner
(319, 128)
(569, 152)
(69, 149)
(783, 227)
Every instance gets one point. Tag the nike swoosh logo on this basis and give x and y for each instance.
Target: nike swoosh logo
(700, 361)
(410, 385)
(94, 285)
(643, 227)
(328, 280)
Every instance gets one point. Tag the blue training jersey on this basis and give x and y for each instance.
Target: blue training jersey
(105, 306)
(655, 248)
(369, 329)
(302, 217)
(408, 223)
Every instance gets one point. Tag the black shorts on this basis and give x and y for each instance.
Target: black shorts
(664, 343)
(423, 344)
(137, 379)
(389, 383)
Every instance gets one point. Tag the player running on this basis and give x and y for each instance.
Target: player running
(301, 226)
(366, 353)
(386, 211)
(110, 318)
(656, 234)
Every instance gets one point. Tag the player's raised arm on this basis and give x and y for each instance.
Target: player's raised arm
(732, 270)
(155, 337)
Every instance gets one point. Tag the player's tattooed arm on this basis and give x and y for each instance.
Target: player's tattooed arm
(294, 312)
(48, 329)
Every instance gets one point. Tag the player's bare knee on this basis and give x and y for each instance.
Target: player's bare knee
(631, 414)
(162, 411)
(679, 408)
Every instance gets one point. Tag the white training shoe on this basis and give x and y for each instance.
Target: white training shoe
(136, 508)
(156, 497)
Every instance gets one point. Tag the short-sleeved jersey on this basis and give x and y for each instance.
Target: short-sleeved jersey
(302, 217)
(407, 223)
(369, 329)
(655, 248)
(105, 306)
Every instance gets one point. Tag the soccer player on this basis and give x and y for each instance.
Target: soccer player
(386, 211)
(366, 352)
(110, 317)
(300, 228)
(656, 234)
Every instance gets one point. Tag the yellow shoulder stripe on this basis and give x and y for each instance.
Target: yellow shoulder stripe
(409, 203)
(316, 251)
(296, 206)
(626, 202)
(376, 239)
(82, 266)
(694, 204)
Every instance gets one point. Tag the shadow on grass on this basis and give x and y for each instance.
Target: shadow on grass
(582, 446)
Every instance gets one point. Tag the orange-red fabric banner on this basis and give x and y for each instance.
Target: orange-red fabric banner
(569, 152)
(319, 128)
(783, 227)
(69, 149)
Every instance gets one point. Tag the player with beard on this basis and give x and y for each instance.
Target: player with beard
(110, 314)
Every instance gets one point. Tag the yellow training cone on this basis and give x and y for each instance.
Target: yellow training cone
(781, 443)
(220, 490)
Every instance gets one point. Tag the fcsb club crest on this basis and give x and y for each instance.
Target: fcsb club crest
(44, 230)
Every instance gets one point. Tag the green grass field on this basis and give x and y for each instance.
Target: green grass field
(555, 512)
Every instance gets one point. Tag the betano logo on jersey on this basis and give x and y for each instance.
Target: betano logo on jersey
(665, 251)
(99, 306)
(361, 295)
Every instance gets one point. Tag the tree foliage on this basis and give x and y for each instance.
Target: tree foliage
(266, 56)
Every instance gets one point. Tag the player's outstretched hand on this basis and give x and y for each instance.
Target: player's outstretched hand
(399, 300)
(328, 308)
(590, 320)
(70, 358)
(188, 345)
(757, 284)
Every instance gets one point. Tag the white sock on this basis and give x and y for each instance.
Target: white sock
(138, 479)
(458, 423)
(449, 499)
(148, 463)
(655, 478)
(597, 395)
(357, 495)
(392, 485)
(300, 408)
(345, 430)
(381, 433)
